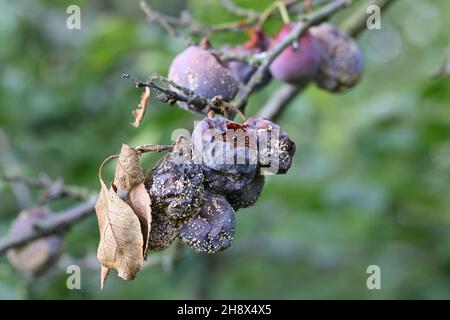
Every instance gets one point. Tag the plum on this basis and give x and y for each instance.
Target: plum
(176, 188)
(213, 230)
(202, 71)
(300, 65)
(275, 148)
(163, 231)
(227, 164)
(343, 64)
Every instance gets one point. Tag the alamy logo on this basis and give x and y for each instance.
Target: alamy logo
(374, 20)
(374, 280)
(238, 147)
(74, 280)
(74, 19)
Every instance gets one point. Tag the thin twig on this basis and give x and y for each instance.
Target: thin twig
(280, 100)
(9, 163)
(174, 93)
(234, 9)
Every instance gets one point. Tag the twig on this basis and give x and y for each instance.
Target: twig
(234, 9)
(56, 223)
(10, 164)
(185, 22)
(280, 100)
(191, 101)
(153, 148)
(170, 23)
(293, 35)
(52, 188)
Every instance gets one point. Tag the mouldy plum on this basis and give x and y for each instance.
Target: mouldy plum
(201, 71)
(177, 188)
(282, 149)
(300, 65)
(163, 230)
(226, 163)
(243, 71)
(248, 195)
(213, 230)
(343, 64)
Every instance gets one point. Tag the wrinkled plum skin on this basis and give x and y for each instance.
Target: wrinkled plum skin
(177, 188)
(248, 195)
(164, 230)
(213, 230)
(343, 65)
(297, 66)
(285, 148)
(204, 73)
(221, 177)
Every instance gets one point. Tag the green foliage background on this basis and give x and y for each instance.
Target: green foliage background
(370, 183)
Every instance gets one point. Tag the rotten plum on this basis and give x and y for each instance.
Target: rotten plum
(176, 188)
(213, 230)
(275, 148)
(221, 147)
(248, 195)
(163, 230)
(343, 64)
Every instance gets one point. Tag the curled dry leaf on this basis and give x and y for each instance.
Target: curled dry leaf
(124, 222)
(128, 170)
(139, 201)
(121, 240)
(139, 112)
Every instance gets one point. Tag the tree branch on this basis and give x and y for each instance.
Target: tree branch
(274, 107)
(51, 188)
(10, 164)
(56, 223)
(234, 9)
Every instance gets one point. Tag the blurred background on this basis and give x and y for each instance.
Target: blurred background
(370, 183)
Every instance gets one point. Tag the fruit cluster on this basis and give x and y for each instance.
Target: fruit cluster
(195, 191)
(323, 54)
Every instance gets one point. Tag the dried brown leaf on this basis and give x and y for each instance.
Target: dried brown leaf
(121, 240)
(101, 206)
(139, 201)
(129, 173)
(139, 112)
